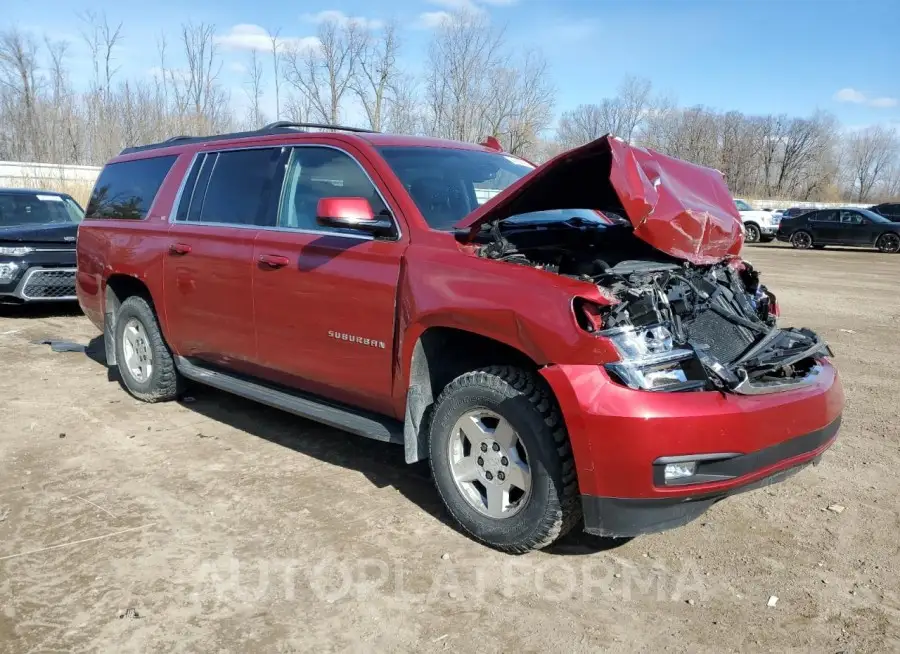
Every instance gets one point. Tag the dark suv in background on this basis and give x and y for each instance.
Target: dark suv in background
(37, 245)
(890, 210)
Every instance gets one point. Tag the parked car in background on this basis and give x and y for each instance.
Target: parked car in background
(890, 210)
(581, 349)
(759, 226)
(38, 230)
(850, 226)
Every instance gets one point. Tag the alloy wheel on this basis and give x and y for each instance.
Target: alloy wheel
(801, 240)
(889, 243)
(752, 232)
(489, 464)
(136, 348)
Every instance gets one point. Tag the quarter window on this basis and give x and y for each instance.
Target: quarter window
(127, 189)
(315, 173)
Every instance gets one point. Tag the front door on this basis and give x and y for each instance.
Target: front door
(326, 298)
(825, 226)
(209, 265)
(855, 229)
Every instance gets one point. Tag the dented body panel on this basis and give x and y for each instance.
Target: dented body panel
(681, 209)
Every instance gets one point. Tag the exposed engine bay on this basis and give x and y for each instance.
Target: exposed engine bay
(678, 326)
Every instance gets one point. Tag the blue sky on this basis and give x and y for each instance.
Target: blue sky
(755, 56)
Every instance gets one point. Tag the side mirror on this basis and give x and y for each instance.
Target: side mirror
(352, 213)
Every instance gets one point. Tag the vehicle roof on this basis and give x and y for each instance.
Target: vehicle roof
(292, 135)
(31, 191)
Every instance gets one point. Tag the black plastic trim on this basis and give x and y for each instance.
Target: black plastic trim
(370, 425)
(615, 517)
(730, 466)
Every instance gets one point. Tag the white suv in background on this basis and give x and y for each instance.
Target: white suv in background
(759, 226)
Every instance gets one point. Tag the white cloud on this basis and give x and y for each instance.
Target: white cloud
(433, 19)
(883, 102)
(237, 67)
(253, 37)
(858, 97)
(340, 18)
(850, 95)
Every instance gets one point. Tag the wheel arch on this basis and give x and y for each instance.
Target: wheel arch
(119, 287)
(439, 355)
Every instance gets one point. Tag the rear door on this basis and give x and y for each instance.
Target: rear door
(227, 197)
(325, 311)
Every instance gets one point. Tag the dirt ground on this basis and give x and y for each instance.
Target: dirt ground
(218, 525)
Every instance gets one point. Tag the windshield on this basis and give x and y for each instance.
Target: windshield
(447, 184)
(25, 209)
(743, 206)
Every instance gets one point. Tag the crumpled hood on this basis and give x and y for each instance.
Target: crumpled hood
(53, 233)
(679, 208)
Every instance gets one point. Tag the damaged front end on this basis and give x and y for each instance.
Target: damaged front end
(676, 325)
(680, 328)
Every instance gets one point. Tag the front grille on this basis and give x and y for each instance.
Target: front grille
(44, 284)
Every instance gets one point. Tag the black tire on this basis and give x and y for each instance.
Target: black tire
(164, 382)
(889, 243)
(553, 506)
(752, 233)
(802, 240)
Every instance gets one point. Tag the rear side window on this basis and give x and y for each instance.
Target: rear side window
(233, 188)
(127, 189)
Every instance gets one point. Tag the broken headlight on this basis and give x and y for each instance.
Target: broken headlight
(649, 359)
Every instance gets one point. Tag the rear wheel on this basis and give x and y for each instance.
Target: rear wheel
(801, 240)
(888, 243)
(501, 459)
(143, 358)
(751, 233)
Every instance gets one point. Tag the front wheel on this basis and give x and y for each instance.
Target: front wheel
(501, 459)
(752, 233)
(888, 243)
(801, 240)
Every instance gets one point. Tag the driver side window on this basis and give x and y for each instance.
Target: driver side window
(850, 218)
(314, 173)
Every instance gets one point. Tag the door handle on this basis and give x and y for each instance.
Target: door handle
(179, 248)
(274, 260)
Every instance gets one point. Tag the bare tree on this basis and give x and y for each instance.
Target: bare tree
(102, 39)
(376, 75)
(198, 95)
(620, 115)
(463, 54)
(19, 78)
(253, 86)
(324, 74)
(870, 155)
(276, 69)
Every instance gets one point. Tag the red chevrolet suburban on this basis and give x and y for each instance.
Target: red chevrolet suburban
(574, 341)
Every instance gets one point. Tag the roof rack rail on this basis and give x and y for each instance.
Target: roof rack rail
(271, 128)
(287, 124)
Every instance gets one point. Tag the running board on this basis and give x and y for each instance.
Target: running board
(370, 425)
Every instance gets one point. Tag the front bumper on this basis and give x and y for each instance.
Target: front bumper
(768, 230)
(42, 277)
(621, 436)
(626, 517)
